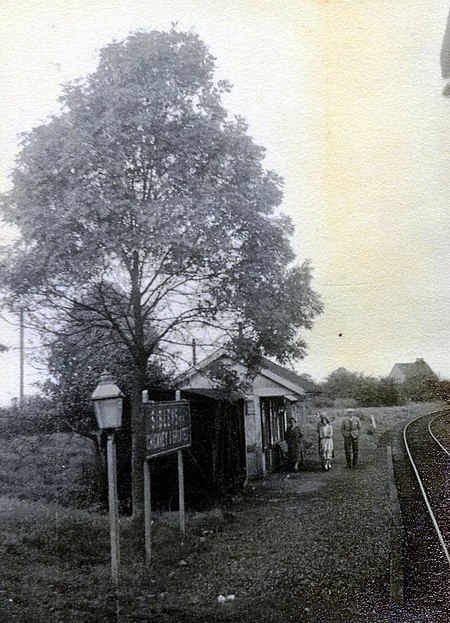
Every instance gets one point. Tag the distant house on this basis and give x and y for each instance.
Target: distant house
(246, 429)
(402, 372)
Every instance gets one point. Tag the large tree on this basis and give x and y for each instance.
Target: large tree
(145, 211)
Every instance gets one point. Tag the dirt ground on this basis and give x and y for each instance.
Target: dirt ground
(307, 546)
(311, 546)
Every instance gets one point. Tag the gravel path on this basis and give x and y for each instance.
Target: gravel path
(310, 546)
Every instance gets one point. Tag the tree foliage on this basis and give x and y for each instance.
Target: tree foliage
(366, 390)
(36, 416)
(145, 213)
(144, 206)
(75, 363)
(418, 388)
(369, 391)
(439, 389)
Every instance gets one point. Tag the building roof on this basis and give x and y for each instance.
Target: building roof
(266, 365)
(290, 375)
(410, 370)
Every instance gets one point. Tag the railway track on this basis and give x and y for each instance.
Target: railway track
(424, 493)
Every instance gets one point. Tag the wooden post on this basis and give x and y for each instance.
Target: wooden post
(181, 478)
(21, 360)
(181, 490)
(147, 513)
(113, 507)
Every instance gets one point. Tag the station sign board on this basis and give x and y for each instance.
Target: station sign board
(167, 427)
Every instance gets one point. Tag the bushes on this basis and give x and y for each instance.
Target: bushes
(357, 389)
(354, 389)
(37, 416)
(439, 389)
(46, 467)
(382, 392)
(44, 458)
(420, 389)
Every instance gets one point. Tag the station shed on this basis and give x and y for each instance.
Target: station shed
(259, 417)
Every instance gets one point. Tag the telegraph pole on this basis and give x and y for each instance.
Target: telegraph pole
(194, 352)
(21, 348)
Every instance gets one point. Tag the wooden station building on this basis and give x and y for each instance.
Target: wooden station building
(236, 439)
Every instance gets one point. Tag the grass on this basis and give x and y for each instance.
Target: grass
(63, 556)
(386, 419)
(55, 558)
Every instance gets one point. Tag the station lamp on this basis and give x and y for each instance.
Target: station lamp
(108, 406)
(108, 403)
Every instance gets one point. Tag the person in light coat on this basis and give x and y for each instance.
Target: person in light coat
(325, 431)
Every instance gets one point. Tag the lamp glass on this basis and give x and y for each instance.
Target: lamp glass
(108, 412)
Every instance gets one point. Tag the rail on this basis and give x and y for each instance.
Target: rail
(419, 480)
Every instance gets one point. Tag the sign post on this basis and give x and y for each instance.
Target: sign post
(147, 512)
(167, 430)
(181, 491)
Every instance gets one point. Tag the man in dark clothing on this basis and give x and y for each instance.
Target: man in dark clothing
(351, 429)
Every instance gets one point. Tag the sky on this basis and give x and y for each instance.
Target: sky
(346, 97)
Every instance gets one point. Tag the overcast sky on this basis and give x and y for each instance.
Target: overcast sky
(346, 97)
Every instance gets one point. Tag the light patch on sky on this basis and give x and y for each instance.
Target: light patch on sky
(346, 97)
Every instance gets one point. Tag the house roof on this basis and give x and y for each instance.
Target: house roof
(416, 368)
(266, 365)
(290, 375)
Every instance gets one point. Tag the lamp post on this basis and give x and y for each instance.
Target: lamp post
(108, 404)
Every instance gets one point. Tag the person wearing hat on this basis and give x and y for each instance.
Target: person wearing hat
(293, 438)
(351, 429)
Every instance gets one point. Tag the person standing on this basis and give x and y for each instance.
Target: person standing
(351, 429)
(293, 438)
(325, 431)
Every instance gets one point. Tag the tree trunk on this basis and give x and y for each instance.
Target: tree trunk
(138, 446)
(137, 420)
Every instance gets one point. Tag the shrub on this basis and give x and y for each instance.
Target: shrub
(49, 468)
(351, 389)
